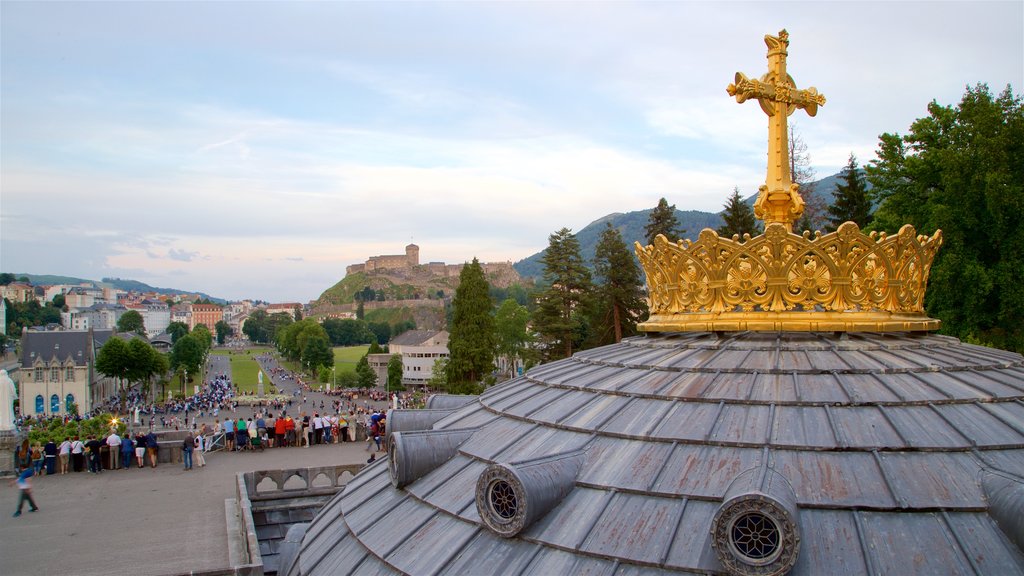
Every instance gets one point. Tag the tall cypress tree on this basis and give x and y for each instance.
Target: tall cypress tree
(559, 315)
(620, 300)
(662, 220)
(471, 343)
(739, 217)
(851, 202)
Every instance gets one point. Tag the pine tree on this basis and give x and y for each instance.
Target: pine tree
(620, 300)
(851, 202)
(662, 220)
(739, 217)
(471, 342)
(558, 317)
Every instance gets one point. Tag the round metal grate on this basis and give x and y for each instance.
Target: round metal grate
(755, 537)
(502, 499)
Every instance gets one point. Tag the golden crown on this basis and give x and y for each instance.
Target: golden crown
(842, 281)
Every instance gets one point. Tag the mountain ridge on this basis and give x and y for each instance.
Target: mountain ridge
(631, 226)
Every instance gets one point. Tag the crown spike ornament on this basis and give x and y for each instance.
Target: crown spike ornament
(844, 281)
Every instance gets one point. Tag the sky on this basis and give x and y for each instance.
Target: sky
(255, 149)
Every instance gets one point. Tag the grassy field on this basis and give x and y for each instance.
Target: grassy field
(346, 358)
(245, 370)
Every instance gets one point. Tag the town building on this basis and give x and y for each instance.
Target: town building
(17, 292)
(289, 308)
(98, 316)
(205, 314)
(419, 350)
(58, 369)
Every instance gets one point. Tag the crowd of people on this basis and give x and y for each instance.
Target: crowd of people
(294, 419)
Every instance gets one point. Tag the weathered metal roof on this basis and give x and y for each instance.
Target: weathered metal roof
(866, 453)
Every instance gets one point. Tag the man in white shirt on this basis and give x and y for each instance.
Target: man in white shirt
(114, 443)
(65, 454)
(318, 428)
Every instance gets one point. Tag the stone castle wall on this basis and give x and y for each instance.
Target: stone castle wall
(412, 259)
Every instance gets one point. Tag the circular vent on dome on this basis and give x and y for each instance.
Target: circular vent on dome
(501, 501)
(755, 536)
(393, 463)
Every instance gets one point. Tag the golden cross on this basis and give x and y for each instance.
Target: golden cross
(779, 199)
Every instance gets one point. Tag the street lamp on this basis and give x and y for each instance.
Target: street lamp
(334, 380)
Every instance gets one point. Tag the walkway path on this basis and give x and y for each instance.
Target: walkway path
(140, 521)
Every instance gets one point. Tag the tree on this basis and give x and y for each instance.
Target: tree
(662, 220)
(439, 375)
(6, 278)
(381, 331)
(802, 174)
(960, 170)
(739, 217)
(620, 302)
(512, 337)
(223, 331)
(317, 352)
(851, 202)
(130, 362)
(395, 373)
(375, 348)
(202, 334)
(187, 353)
(292, 339)
(367, 377)
(471, 341)
(347, 380)
(348, 332)
(558, 316)
(114, 359)
(146, 363)
(177, 330)
(131, 321)
(263, 328)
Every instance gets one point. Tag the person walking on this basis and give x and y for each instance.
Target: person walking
(187, 445)
(25, 491)
(200, 445)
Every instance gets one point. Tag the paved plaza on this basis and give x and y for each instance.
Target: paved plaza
(150, 521)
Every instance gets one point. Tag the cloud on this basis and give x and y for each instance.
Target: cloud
(182, 255)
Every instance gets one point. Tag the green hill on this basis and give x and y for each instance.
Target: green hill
(631, 226)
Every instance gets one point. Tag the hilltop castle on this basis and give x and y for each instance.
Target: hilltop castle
(411, 259)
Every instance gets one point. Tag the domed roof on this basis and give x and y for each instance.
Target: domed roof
(790, 416)
(748, 453)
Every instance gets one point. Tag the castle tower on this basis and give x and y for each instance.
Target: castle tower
(412, 252)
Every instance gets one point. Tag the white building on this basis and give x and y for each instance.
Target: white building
(419, 350)
(156, 316)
